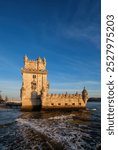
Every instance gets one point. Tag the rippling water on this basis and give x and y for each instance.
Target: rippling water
(51, 130)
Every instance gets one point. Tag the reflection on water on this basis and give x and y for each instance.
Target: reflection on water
(69, 130)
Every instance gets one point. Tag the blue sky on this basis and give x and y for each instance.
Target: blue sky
(65, 32)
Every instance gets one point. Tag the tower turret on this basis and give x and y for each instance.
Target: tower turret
(25, 58)
(85, 95)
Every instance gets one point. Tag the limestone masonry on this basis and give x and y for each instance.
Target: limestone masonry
(34, 91)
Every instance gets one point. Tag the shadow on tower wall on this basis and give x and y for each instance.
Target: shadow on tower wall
(36, 101)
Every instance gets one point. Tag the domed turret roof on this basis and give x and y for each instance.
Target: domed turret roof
(84, 90)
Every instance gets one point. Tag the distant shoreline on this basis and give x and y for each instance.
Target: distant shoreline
(94, 99)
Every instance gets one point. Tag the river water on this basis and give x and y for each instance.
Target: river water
(51, 130)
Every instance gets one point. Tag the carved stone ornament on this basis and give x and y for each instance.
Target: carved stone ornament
(33, 85)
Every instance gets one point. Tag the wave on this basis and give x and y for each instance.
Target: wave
(60, 129)
(51, 130)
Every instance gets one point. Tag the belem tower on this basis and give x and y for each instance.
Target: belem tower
(34, 92)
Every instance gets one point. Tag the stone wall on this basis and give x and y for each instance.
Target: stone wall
(63, 101)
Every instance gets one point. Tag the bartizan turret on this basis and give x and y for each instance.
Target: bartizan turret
(85, 95)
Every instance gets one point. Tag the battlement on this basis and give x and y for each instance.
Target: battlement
(39, 64)
(63, 95)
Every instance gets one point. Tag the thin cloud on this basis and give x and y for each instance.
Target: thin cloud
(92, 86)
(89, 32)
(6, 62)
(77, 83)
(75, 64)
(11, 88)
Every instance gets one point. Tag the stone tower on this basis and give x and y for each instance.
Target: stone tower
(34, 91)
(34, 82)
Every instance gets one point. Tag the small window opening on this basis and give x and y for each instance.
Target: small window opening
(34, 76)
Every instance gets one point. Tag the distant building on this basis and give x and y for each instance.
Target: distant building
(34, 91)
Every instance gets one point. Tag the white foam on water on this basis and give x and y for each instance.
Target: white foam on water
(59, 129)
(62, 117)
